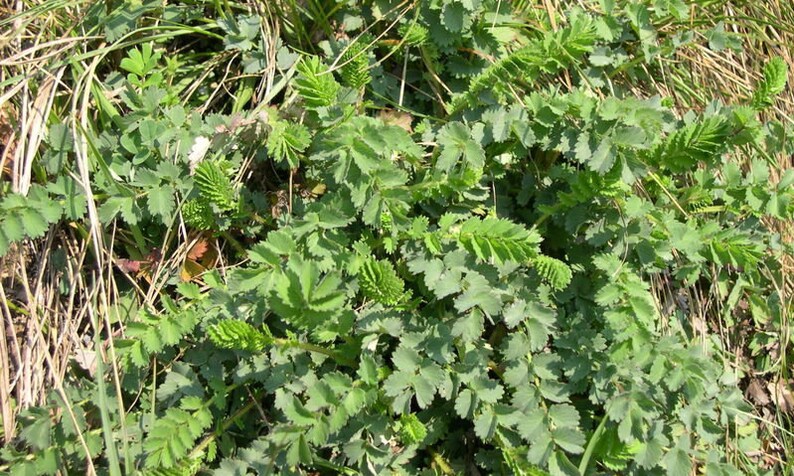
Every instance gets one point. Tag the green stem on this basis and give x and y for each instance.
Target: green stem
(341, 359)
(588, 452)
(223, 427)
(324, 463)
(240, 249)
(111, 450)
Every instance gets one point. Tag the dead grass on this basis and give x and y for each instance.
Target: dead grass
(58, 295)
(697, 77)
(41, 325)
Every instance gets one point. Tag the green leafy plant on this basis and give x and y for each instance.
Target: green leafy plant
(494, 250)
(354, 70)
(26, 217)
(315, 84)
(379, 282)
(773, 83)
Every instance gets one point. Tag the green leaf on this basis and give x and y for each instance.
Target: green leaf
(172, 437)
(465, 403)
(456, 142)
(287, 142)
(774, 83)
(35, 224)
(315, 84)
(540, 324)
(479, 293)
(485, 424)
(603, 157)
(412, 430)
(570, 439)
(650, 452)
(499, 239)
(698, 141)
(559, 464)
(677, 461)
(470, 326)
(140, 61)
(241, 31)
(379, 282)
(161, 201)
(553, 271)
(60, 138)
(214, 185)
(455, 17)
(36, 428)
(564, 416)
(305, 298)
(355, 71)
(239, 335)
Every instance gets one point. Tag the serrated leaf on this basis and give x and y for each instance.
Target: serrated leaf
(539, 323)
(465, 403)
(35, 224)
(485, 424)
(456, 142)
(60, 138)
(368, 370)
(560, 465)
(315, 84)
(469, 326)
(160, 201)
(603, 157)
(650, 452)
(564, 416)
(677, 461)
(454, 17)
(570, 439)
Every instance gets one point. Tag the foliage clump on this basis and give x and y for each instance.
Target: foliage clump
(495, 272)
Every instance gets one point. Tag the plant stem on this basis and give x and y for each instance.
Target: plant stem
(316, 349)
(588, 452)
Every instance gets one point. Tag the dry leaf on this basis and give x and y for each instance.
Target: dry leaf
(190, 270)
(86, 359)
(202, 255)
(757, 393)
(781, 395)
(197, 152)
(154, 256)
(130, 266)
(400, 119)
(198, 249)
(7, 137)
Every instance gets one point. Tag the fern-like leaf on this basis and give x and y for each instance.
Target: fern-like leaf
(237, 335)
(198, 214)
(287, 141)
(379, 281)
(214, 185)
(185, 467)
(174, 435)
(553, 271)
(414, 34)
(315, 84)
(699, 141)
(499, 239)
(355, 70)
(548, 54)
(586, 185)
(774, 82)
(412, 430)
